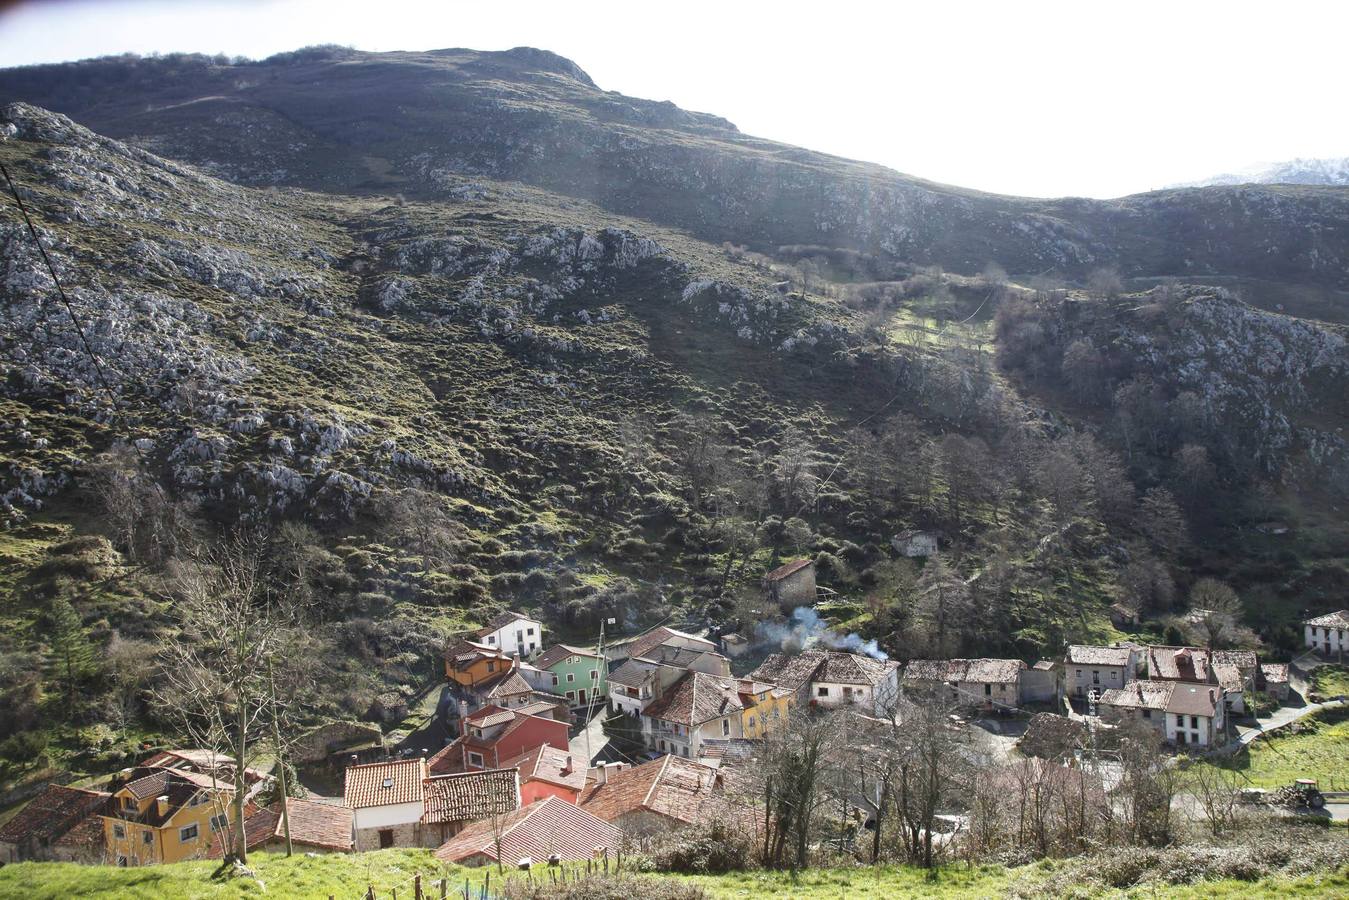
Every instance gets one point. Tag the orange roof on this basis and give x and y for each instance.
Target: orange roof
(543, 828)
(312, 824)
(672, 787)
(52, 813)
(550, 764)
(384, 783)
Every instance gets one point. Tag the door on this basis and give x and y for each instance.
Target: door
(386, 839)
(582, 696)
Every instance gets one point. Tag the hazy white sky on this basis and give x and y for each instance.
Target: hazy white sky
(1090, 97)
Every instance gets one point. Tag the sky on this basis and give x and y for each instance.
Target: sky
(1089, 98)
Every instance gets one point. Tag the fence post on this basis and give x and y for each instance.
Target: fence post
(417, 886)
(444, 888)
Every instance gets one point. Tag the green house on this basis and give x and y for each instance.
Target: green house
(576, 673)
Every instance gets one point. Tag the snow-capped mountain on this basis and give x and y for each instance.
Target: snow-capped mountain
(1293, 171)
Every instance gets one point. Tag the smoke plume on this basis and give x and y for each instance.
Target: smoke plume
(805, 629)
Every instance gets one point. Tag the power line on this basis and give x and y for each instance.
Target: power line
(65, 300)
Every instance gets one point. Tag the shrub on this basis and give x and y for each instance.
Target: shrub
(713, 849)
(623, 887)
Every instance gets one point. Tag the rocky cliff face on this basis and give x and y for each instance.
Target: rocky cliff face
(405, 121)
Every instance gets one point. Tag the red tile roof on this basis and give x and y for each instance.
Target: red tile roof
(546, 827)
(325, 826)
(558, 652)
(645, 643)
(552, 765)
(468, 796)
(53, 812)
(787, 569)
(679, 789)
(384, 783)
(697, 698)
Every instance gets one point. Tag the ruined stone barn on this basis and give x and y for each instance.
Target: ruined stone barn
(792, 584)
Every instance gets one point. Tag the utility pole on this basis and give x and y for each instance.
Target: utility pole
(602, 668)
(280, 762)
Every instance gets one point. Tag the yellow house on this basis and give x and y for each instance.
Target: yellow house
(468, 663)
(160, 815)
(766, 707)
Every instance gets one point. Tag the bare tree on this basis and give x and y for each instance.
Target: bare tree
(217, 672)
(1217, 789)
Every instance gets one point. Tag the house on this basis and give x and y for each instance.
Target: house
(469, 663)
(1145, 700)
(387, 800)
(513, 633)
(1090, 668)
(701, 707)
(1122, 615)
(792, 584)
(549, 772)
(661, 635)
(1274, 680)
(832, 678)
(1235, 671)
(990, 684)
(1042, 682)
(454, 801)
(653, 668)
(35, 831)
(573, 672)
(161, 815)
(1195, 715)
(492, 735)
(655, 796)
(314, 828)
(1186, 713)
(547, 829)
(1329, 633)
(915, 543)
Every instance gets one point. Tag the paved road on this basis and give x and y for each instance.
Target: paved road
(598, 739)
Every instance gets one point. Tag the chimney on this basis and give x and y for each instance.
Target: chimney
(162, 804)
(463, 717)
(601, 773)
(566, 767)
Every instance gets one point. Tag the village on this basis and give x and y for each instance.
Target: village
(552, 752)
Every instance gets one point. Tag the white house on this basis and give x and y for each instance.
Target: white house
(513, 632)
(1188, 714)
(1329, 633)
(833, 678)
(1098, 669)
(387, 801)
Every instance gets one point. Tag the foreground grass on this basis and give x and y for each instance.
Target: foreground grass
(1320, 751)
(349, 876)
(987, 881)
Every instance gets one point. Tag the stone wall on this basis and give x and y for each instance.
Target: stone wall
(405, 835)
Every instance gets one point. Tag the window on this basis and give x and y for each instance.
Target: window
(1095, 676)
(475, 759)
(218, 823)
(988, 690)
(1079, 673)
(555, 681)
(148, 837)
(725, 727)
(662, 746)
(187, 833)
(686, 752)
(119, 831)
(519, 637)
(491, 666)
(1194, 721)
(594, 674)
(386, 839)
(491, 639)
(1180, 721)
(823, 692)
(128, 803)
(1180, 737)
(571, 676)
(571, 695)
(1147, 714)
(847, 691)
(530, 632)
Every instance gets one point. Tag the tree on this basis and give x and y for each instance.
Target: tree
(1216, 616)
(72, 654)
(1162, 521)
(217, 675)
(944, 605)
(1218, 791)
(1105, 282)
(418, 519)
(1147, 583)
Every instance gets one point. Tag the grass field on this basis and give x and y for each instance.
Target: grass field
(1320, 750)
(387, 870)
(1330, 681)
